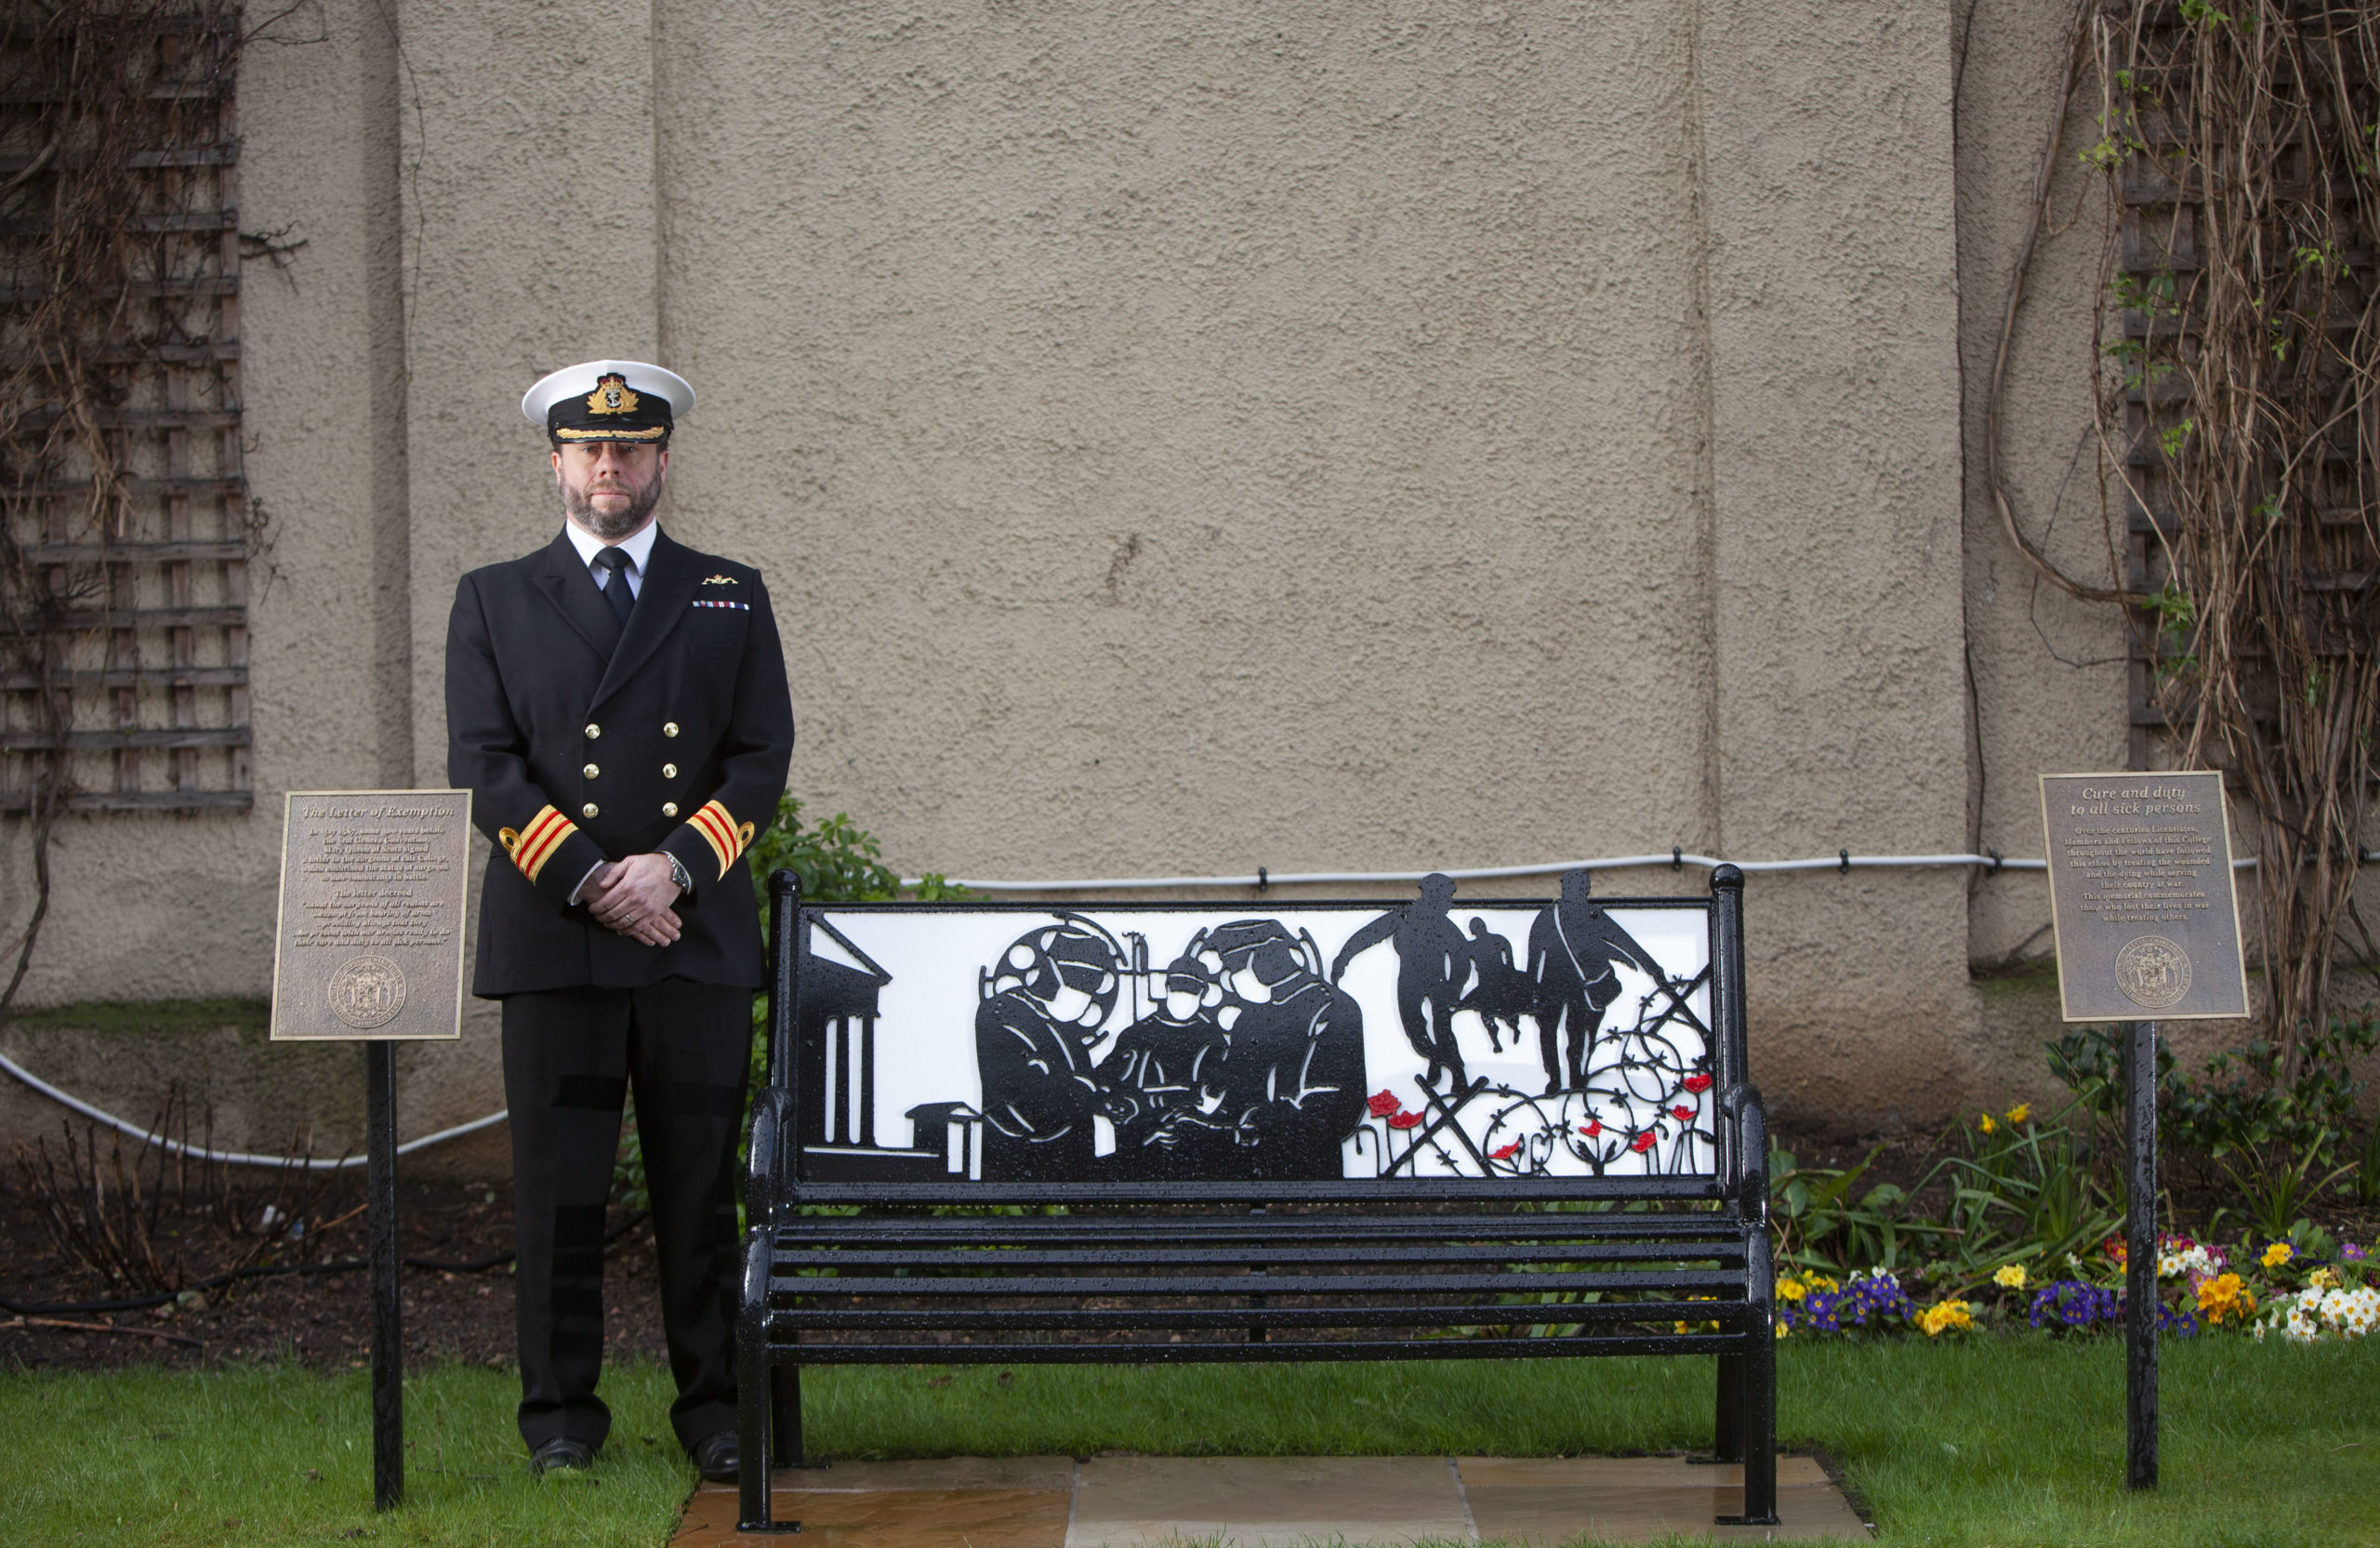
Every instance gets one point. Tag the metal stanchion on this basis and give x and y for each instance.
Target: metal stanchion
(388, 1335)
(2140, 1257)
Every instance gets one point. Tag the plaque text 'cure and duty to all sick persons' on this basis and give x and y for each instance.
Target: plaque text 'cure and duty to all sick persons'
(2140, 896)
(371, 936)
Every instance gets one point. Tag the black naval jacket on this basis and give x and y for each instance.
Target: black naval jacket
(580, 742)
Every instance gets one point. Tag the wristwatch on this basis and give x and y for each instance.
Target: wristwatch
(677, 874)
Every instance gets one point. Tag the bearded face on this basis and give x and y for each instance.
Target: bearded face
(609, 488)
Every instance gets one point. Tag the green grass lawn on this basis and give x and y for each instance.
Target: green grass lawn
(2011, 1441)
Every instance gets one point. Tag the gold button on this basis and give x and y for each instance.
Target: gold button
(590, 809)
(593, 730)
(669, 728)
(668, 808)
(669, 770)
(591, 770)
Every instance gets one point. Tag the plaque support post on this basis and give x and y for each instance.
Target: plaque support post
(388, 1338)
(2140, 1256)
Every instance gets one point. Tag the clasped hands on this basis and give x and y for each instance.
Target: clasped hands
(633, 896)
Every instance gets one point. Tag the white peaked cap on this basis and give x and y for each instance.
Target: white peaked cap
(578, 380)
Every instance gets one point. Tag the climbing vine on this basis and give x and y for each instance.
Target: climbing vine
(2239, 424)
(112, 125)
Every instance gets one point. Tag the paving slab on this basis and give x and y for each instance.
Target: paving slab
(1266, 1502)
(1553, 1500)
(1270, 1502)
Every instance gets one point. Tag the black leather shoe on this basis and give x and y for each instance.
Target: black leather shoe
(716, 1457)
(561, 1451)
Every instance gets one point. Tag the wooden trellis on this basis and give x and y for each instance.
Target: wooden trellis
(131, 535)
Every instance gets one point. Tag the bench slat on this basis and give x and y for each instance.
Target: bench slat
(1283, 1349)
(1266, 1227)
(1187, 1319)
(1240, 1284)
(1000, 1259)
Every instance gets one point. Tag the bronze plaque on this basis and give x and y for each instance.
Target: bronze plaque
(2140, 898)
(371, 936)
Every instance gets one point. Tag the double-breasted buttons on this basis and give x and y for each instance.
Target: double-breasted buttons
(668, 808)
(669, 770)
(590, 809)
(669, 728)
(591, 770)
(593, 730)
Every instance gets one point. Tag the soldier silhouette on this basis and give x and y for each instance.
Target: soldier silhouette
(1572, 947)
(1500, 992)
(1433, 960)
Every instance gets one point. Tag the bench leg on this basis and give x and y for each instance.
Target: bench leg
(1727, 1441)
(785, 1415)
(1756, 1415)
(754, 1391)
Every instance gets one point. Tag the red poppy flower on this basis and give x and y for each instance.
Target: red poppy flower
(1644, 1142)
(1698, 1084)
(1683, 1114)
(1504, 1153)
(1405, 1121)
(1591, 1127)
(1384, 1103)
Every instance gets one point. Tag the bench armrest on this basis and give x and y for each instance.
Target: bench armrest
(764, 1188)
(1747, 1113)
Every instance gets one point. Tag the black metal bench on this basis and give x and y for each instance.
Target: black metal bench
(1229, 1147)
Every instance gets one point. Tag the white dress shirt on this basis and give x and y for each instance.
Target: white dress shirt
(639, 549)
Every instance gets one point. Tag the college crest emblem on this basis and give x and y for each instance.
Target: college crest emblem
(611, 395)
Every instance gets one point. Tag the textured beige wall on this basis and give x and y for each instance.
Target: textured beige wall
(1186, 438)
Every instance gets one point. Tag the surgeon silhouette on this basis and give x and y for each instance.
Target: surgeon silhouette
(1044, 1004)
(1572, 948)
(1160, 1066)
(1433, 960)
(1286, 1087)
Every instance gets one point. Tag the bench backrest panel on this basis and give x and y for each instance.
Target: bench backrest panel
(1152, 1044)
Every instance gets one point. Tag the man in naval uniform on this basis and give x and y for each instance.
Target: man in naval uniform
(616, 704)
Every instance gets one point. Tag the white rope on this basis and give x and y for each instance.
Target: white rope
(232, 1158)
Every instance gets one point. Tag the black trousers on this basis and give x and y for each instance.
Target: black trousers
(569, 1057)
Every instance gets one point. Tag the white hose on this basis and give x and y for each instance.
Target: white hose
(1841, 860)
(232, 1158)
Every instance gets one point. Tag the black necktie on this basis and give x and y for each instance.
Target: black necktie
(615, 587)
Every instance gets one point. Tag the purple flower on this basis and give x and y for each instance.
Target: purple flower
(2353, 1253)
(1870, 1299)
(2071, 1305)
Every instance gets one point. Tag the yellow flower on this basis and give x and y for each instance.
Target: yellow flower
(1987, 1125)
(2020, 1112)
(1783, 1327)
(2225, 1296)
(1792, 1289)
(2276, 1254)
(2011, 1277)
(2323, 1279)
(1949, 1314)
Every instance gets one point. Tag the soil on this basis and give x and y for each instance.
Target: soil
(319, 1319)
(452, 1314)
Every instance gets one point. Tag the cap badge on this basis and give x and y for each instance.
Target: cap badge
(611, 395)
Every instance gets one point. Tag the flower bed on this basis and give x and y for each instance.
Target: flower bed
(2015, 1229)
